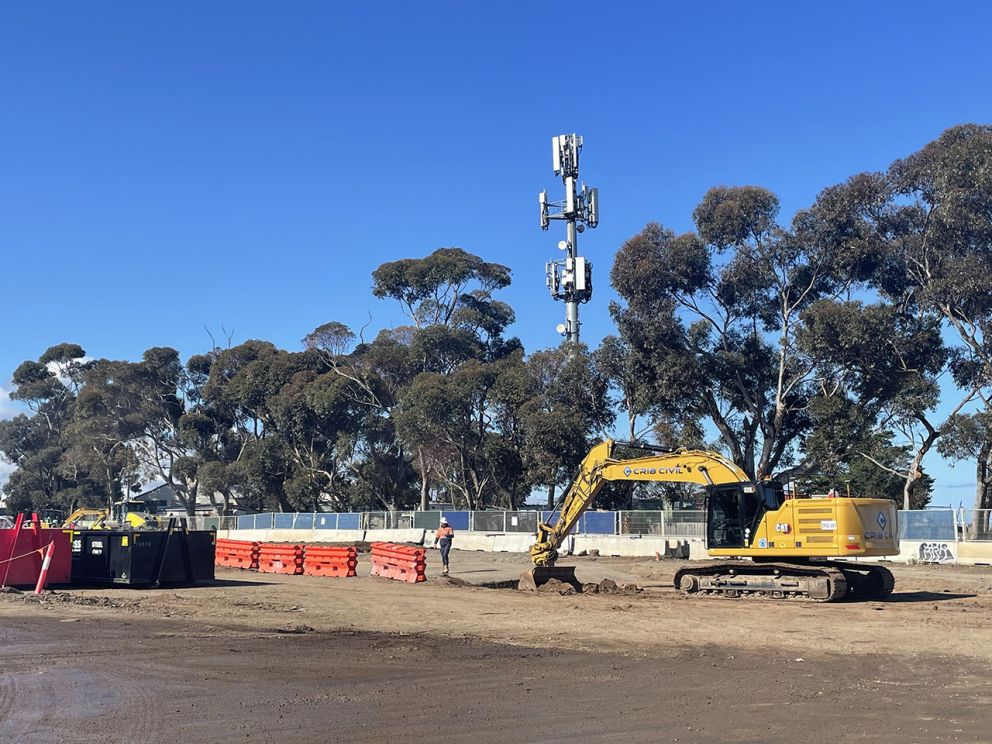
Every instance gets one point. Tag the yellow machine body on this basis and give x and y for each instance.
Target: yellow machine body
(823, 528)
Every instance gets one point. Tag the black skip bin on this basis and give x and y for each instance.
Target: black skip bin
(143, 558)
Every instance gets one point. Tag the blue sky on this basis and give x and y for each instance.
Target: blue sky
(170, 166)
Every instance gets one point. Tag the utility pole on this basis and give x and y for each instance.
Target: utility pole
(570, 278)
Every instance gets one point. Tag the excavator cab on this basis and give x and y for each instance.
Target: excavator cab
(734, 511)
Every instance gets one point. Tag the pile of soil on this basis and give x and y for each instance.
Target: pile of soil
(606, 586)
(609, 586)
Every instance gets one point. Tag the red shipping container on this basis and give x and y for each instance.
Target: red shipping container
(24, 571)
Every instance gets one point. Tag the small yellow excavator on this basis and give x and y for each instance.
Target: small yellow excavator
(793, 543)
(133, 514)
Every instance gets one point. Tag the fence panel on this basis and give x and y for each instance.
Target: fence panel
(642, 523)
(282, 521)
(929, 524)
(489, 521)
(458, 520)
(976, 524)
(685, 523)
(522, 521)
(597, 523)
(304, 521)
(375, 520)
(427, 520)
(330, 521)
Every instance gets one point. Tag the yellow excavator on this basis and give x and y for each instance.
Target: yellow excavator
(793, 543)
(129, 514)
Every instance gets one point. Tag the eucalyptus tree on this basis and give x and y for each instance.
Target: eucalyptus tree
(923, 230)
(567, 410)
(36, 443)
(717, 313)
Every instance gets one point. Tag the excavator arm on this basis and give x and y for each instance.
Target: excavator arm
(599, 466)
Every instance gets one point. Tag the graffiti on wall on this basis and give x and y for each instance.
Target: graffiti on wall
(936, 552)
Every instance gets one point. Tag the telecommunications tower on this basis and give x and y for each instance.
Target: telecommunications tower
(570, 278)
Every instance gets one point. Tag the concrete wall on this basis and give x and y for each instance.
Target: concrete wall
(396, 536)
(645, 546)
(633, 545)
(975, 553)
(496, 542)
(294, 536)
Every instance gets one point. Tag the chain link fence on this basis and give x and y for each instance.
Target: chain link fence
(975, 524)
(929, 524)
(662, 524)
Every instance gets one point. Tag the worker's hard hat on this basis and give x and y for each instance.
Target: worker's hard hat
(443, 520)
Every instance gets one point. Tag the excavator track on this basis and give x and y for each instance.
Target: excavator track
(865, 580)
(814, 583)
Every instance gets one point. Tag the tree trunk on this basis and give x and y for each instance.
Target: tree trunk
(110, 492)
(425, 485)
(980, 519)
(551, 491)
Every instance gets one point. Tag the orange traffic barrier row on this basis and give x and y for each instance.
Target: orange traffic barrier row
(330, 561)
(281, 559)
(237, 554)
(399, 562)
(389, 560)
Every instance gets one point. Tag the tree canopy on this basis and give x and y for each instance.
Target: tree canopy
(838, 346)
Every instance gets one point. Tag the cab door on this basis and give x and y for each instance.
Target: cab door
(733, 514)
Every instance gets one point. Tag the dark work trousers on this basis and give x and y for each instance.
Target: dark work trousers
(445, 545)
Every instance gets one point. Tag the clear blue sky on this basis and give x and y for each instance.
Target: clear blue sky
(165, 166)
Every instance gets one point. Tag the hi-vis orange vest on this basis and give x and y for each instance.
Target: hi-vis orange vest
(444, 532)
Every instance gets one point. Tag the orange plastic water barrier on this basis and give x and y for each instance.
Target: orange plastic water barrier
(281, 559)
(237, 554)
(399, 562)
(321, 560)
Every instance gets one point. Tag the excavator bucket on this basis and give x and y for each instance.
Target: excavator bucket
(531, 581)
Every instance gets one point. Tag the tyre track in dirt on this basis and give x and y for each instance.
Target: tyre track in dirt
(176, 680)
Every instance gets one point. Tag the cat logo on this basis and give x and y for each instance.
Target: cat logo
(783, 527)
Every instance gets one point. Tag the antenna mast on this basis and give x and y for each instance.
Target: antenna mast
(570, 278)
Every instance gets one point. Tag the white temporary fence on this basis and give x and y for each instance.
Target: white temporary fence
(975, 525)
(946, 525)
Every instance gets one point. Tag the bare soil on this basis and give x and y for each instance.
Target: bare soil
(257, 657)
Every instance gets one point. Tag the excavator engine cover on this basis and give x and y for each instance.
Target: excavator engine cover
(531, 581)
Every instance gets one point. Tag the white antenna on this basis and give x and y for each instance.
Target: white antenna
(569, 278)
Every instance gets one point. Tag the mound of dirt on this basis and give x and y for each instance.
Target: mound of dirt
(609, 586)
(450, 580)
(554, 586)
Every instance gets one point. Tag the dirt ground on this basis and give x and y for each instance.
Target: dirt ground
(257, 657)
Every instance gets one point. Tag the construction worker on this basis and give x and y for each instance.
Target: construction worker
(442, 539)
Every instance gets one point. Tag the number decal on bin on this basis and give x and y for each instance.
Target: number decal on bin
(399, 562)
